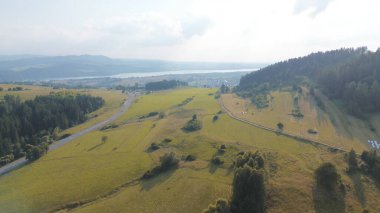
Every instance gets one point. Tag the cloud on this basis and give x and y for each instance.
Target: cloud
(313, 7)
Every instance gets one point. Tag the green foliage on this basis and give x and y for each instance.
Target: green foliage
(312, 131)
(248, 194)
(254, 160)
(190, 158)
(347, 75)
(167, 162)
(215, 118)
(186, 101)
(260, 100)
(104, 138)
(352, 162)
(372, 163)
(193, 125)
(35, 152)
(150, 114)
(217, 161)
(33, 121)
(280, 126)
(165, 84)
(224, 89)
(327, 177)
(222, 206)
(154, 147)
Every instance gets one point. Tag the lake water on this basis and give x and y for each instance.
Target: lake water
(179, 72)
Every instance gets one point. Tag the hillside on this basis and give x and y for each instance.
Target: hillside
(29, 67)
(91, 175)
(349, 76)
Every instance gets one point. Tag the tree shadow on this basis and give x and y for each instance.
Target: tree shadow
(213, 167)
(327, 201)
(96, 146)
(358, 186)
(148, 184)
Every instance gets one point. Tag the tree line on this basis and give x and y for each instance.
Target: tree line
(25, 126)
(349, 75)
(164, 84)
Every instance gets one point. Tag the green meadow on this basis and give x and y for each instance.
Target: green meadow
(102, 176)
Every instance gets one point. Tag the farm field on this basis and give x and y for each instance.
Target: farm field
(333, 127)
(91, 169)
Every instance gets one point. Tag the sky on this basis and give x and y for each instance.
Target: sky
(261, 31)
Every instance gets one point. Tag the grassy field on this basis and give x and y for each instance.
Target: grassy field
(91, 169)
(113, 100)
(333, 126)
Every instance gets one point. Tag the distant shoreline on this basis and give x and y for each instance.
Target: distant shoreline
(159, 73)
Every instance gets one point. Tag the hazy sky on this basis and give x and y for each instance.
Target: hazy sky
(187, 30)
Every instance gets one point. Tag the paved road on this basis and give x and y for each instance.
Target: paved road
(22, 161)
(224, 108)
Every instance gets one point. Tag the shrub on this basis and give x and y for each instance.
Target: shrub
(217, 161)
(215, 118)
(154, 147)
(312, 131)
(247, 158)
(167, 162)
(352, 162)
(35, 152)
(222, 206)
(190, 158)
(280, 126)
(222, 146)
(167, 140)
(193, 125)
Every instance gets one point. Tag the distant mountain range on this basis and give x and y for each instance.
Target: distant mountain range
(35, 67)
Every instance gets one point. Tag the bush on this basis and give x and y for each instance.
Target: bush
(215, 118)
(312, 131)
(190, 158)
(247, 158)
(167, 140)
(154, 147)
(167, 162)
(222, 206)
(6, 159)
(217, 161)
(352, 162)
(35, 152)
(193, 125)
(280, 126)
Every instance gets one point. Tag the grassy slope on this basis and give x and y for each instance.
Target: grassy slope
(334, 127)
(290, 166)
(87, 168)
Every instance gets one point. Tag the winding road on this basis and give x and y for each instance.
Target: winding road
(22, 161)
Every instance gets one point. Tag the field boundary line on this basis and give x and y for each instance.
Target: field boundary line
(297, 137)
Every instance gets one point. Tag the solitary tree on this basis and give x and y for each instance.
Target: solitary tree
(104, 139)
(280, 126)
(352, 162)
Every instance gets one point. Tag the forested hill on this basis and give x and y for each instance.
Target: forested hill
(27, 127)
(350, 75)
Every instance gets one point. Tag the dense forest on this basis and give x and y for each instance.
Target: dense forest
(348, 75)
(29, 125)
(165, 84)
